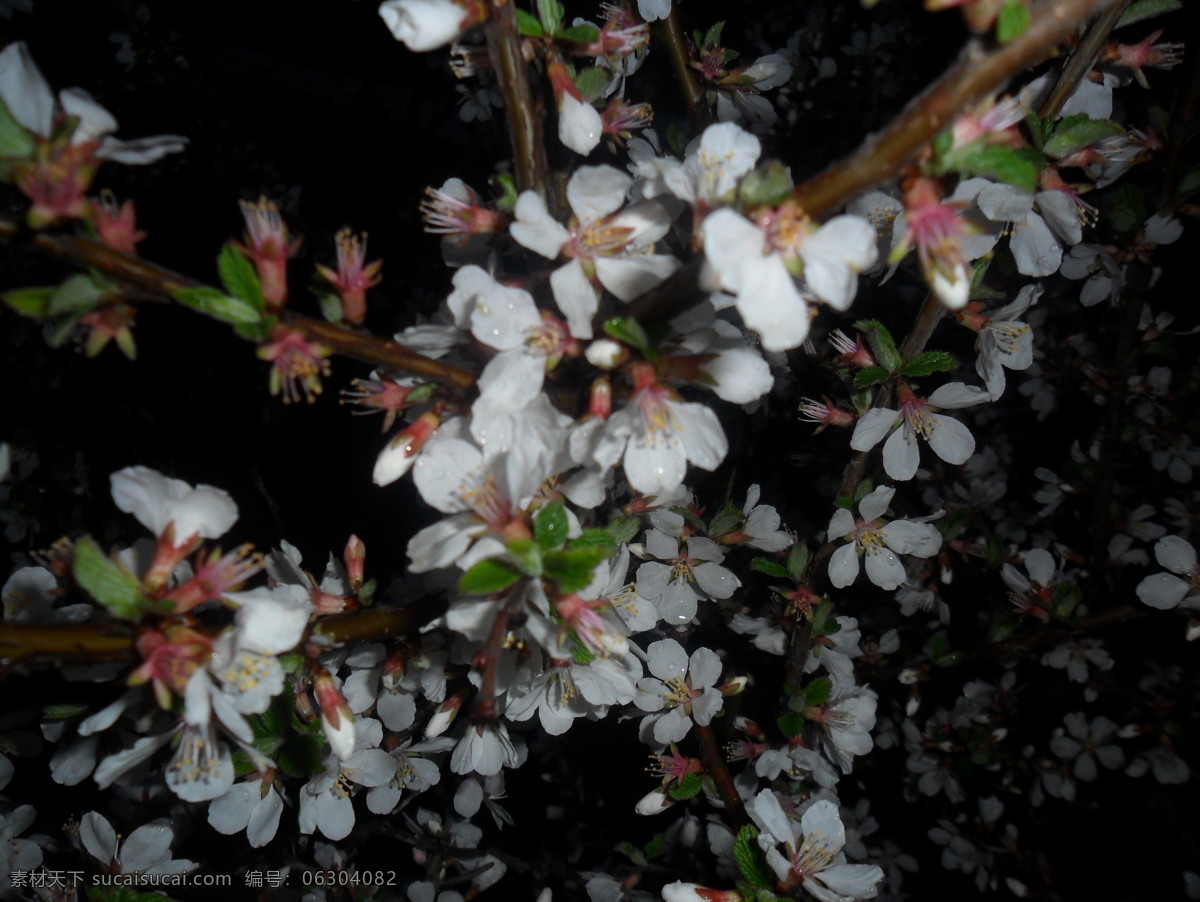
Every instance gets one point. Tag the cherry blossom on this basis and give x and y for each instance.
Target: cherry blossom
(876, 540)
(949, 439)
(681, 690)
(812, 850)
(1166, 590)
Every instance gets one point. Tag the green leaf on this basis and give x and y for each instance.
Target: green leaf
(592, 82)
(595, 538)
(300, 755)
(78, 294)
(1012, 21)
(31, 302)
(218, 305)
(769, 567)
(929, 362)
(871, 375)
(797, 561)
(726, 521)
(64, 710)
(1004, 164)
(685, 788)
(572, 568)
(751, 860)
(15, 141)
(943, 142)
(486, 577)
(622, 529)
(550, 525)
(580, 34)
(1077, 132)
(108, 582)
(767, 185)
(712, 37)
(527, 555)
(881, 342)
(791, 724)
(655, 847)
(550, 12)
(627, 330)
(239, 276)
(1147, 9)
(817, 692)
(528, 24)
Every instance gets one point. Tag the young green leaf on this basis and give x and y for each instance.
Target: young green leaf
(869, 376)
(881, 342)
(751, 860)
(797, 561)
(486, 577)
(528, 24)
(31, 302)
(239, 277)
(108, 582)
(526, 555)
(1012, 21)
(817, 692)
(218, 305)
(550, 525)
(1078, 132)
(929, 362)
(769, 567)
(627, 330)
(685, 788)
(791, 724)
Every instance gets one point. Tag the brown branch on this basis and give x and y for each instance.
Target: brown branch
(512, 74)
(670, 32)
(158, 282)
(976, 74)
(715, 765)
(64, 643)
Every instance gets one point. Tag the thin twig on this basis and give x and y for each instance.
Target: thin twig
(1083, 58)
(162, 283)
(715, 765)
(670, 32)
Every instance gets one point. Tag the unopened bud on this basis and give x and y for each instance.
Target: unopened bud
(401, 452)
(444, 716)
(735, 686)
(354, 558)
(654, 803)
(606, 354)
(337, 720)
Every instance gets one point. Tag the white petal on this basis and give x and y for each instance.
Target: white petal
(94, 120)
(1175, 554)
(535, 228)
(596, 191)
(24, 90)
(579, 125)
(951, 440)
(98, 837)
(632, 276)
(884, 569)
(772, 305)
(843, 566)
(871, 427)
(576, 298)
(874, 505)
(901, 454)
(1162, 591)
(1035, 248)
